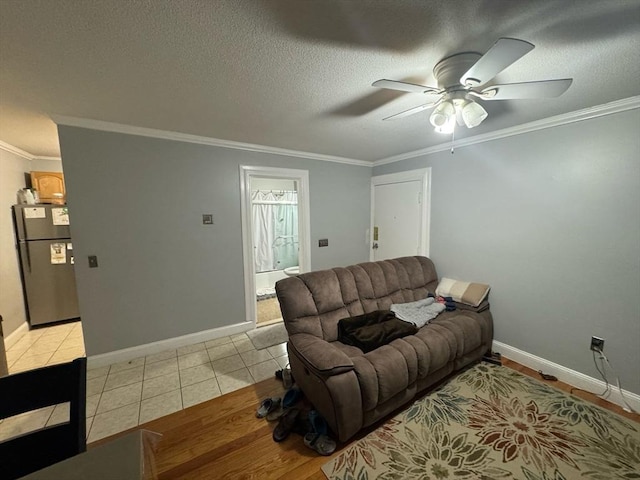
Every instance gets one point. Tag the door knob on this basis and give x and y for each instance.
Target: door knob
(374, 246)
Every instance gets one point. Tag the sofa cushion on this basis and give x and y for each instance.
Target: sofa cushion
(466, 326)
(387, 369)
(383, 373)
(314, 302)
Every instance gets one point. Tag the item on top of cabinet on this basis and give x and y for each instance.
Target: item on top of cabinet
(31, 200)
(26, 196)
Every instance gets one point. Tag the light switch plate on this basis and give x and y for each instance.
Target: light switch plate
(93, 261)
(207, 219)
(323, 242)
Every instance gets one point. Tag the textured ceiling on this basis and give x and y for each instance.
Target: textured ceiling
(294, 74)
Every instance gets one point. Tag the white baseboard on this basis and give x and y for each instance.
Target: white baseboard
(11, 339)
(567, 375)
(138, 351)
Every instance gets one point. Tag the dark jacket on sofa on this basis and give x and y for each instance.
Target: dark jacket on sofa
(372, 330)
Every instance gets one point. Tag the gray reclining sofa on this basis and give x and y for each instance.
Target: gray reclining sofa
(353, 389)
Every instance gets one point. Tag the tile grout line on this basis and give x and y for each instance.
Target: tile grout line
(57, 348)
(145, 363)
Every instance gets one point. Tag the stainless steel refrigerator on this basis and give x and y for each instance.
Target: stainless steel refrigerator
(46, 260)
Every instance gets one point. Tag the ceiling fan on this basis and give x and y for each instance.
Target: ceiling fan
(460, 80)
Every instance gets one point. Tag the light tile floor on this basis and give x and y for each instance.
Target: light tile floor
(126, 394)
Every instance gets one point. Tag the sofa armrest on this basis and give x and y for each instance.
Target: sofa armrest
(480, 308)
(320, 356)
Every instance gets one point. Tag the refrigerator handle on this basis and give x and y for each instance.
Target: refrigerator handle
(24, 253)
(24, 228)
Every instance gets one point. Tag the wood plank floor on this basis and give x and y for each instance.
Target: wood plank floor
(222, 439)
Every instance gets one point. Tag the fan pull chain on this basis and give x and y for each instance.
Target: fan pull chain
(453, 139)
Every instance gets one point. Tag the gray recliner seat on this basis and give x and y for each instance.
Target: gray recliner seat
(353, 389)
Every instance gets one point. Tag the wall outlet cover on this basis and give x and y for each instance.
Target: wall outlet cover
(597, 344)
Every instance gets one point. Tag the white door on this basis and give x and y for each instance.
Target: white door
(400, 215)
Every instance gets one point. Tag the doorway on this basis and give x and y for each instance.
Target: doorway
(275, 221)
(400, 205)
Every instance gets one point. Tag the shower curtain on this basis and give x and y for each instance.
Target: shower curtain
(275, 229)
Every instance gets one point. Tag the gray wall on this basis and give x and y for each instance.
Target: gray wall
(44, 165)
(137, 203)
(551, 219)
(12, 178)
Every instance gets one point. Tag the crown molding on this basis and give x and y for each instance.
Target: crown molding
(558, 120)
(26, 155)
(51, 159)
(15, 150)
(188, 138)
(564, 119)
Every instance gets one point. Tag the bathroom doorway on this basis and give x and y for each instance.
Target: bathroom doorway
(276, 241)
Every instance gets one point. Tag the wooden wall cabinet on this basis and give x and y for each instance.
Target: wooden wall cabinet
(50, 186)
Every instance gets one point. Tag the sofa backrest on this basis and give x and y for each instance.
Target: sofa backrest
(314, 302)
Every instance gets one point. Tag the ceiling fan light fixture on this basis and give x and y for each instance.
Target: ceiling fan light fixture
(443, 115)
(473, 114)
(449, 127)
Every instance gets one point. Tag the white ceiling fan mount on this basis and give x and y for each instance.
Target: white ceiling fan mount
(449, 70)
(460, 79)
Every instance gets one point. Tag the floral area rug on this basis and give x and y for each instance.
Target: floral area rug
(491, 422)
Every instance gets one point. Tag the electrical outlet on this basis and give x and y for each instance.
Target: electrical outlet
(323, 242)
(597, 344)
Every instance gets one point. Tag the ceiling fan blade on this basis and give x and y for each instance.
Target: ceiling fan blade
(404, 86)
(503, 53)
(516, 91)
(411, 111)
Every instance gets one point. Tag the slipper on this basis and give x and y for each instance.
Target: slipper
(318, 423)
(267, 405)
(320, 443)
(291, 397)
(275, 414)
(283, 429)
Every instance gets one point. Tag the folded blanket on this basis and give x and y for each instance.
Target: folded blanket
(464, 292)
(372, 330)
(418, 313)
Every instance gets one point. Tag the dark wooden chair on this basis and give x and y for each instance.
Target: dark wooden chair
(34, 389)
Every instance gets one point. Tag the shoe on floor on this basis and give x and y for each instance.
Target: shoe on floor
(318, 423)
(276, 413)
(320, 443)
(286, 423)
(291, 397)
(267, 405)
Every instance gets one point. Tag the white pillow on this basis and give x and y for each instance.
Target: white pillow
(464, 292)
